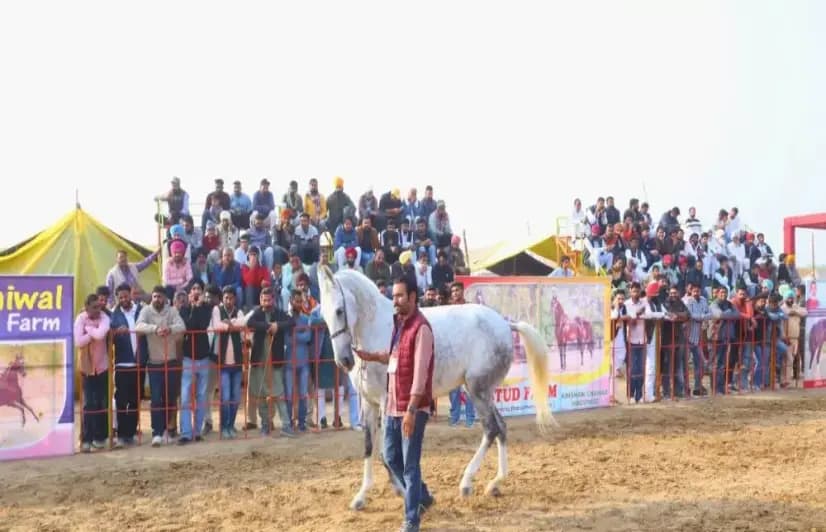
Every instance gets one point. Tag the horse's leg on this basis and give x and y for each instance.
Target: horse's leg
(483, 404)
(501, 447)
(371, 430)
(14, 404)
(22, 402)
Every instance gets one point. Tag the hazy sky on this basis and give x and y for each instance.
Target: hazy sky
(509, 109)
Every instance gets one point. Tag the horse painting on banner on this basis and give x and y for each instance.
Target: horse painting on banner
(577, 331)
(817, 337)
(11, 393)
(473, 346)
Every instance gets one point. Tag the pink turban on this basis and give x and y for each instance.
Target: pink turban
(456, 240)
(178, 246)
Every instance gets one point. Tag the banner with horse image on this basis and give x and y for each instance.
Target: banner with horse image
(36, 366)
(573, 315)
(814, 364)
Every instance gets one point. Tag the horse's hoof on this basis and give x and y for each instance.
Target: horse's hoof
(357, 505)
(466, 491)
(493, 491)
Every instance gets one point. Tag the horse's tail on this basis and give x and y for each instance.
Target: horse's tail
(537, 354)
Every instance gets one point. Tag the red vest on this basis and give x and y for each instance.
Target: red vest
(404, 372)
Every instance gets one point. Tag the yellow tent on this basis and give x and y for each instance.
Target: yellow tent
(525, 257)
(78, 245)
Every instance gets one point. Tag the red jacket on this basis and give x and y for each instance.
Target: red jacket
(404, 372)
(254, 276)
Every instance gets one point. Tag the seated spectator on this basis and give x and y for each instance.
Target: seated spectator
(192, 236)
(439, 226)
(377, 268)
(368, 241)
(293, 202)
(260, 237)
(177, 200)
(177, 272)
(253, 274)
(787, 271)
(424, 273)
(345, 238)
(390, 242)
(309, 303)
(289, 277)
(564, 269)
(646, 216)
(306, 239)
(404, 266)
(596, 252)
(276, 283)
(201, 269)
(612, 214)
(670, 220)
(422, 242)
(282, 237)
(428, 203)
(431, 297)
(384, 289)
(212, 213)
(337, 202)
(734, 224)
(737, 254)
(263, 201)
(325, 254)
(441, 273)
(633, 211)
(368, 204)
(406, 235)
(457, 257)
(579, 221)
(351, 261)
(211, 242)
(692, 224)
(315, 205)
(228, 273)
(227, 232)
(724, 276)
(597, 218)
(412, 208)
(390, 207)
(241, 250)
(638, 255)
(240, 207)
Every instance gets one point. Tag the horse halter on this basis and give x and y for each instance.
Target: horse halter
(346, 326)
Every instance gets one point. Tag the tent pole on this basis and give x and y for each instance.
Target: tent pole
(77, 199)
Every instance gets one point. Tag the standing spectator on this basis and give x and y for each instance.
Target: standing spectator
(579, 221)
(212, 213)
(619, 346)
(197, 316)
(459, 395)
(796, 314)
(692, 224)
(428, 203)
(263, 201)
(612, 214)
(240, 207)
(670, 220)
(722, 335)
(337, 203)
(125, 272)
(90, 330)
(266, 377)
(734, 225)
(645, 214)
(223, 197)
(177, 200)
(676, 315)
(131, 354)
(298, 347)
(391, 208)
(228, 323)
(162, 324)
(636, 310)
(699, 313)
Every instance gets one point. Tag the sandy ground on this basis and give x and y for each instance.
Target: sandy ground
(734, 463)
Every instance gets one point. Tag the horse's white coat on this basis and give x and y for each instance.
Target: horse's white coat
(473, 345)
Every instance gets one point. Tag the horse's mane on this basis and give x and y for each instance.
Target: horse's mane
(363, 289)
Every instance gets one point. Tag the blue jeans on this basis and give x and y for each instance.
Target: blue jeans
(699, 362)
(402, 456)
(746, 359)
(366, 256)
(781, 352)
(163, 390)
(302, 373)
(677, 373)
(197, 370)
(456, 407)
(761, 374)
(230, 395)
(721, 378)
(636, 376)
(95, 407)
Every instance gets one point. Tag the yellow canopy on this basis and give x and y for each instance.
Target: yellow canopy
(78, 245)
(524, 257)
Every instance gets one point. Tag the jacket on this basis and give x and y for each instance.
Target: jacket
(161, 348)
(90, 340)
(260, 321)
(402, 379)
(130, 348)
(196, 340)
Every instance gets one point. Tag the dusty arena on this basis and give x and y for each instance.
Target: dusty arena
(735, 463)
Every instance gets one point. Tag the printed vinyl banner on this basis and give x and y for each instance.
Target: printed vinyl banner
(814, 369)
(36, 366)
(573, 315)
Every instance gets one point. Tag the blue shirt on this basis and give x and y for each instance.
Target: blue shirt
(240, 203)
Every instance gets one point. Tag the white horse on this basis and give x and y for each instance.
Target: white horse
(473, 346)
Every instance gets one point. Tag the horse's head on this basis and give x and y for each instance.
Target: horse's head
(338, 308)
(18, 364)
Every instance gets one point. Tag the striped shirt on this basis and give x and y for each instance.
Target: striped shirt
(698, 311)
